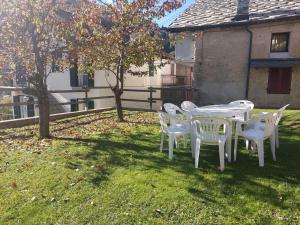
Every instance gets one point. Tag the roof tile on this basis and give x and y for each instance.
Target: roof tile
(217, 12)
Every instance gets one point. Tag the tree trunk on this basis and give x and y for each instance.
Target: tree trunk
(44, 115)
(118, 94)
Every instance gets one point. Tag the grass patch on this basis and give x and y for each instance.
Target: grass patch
(98, 171)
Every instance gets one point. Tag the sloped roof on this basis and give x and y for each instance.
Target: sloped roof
(205, 13)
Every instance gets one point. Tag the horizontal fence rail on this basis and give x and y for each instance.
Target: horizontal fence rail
(156, 94)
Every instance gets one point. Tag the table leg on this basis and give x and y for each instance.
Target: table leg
(228, 143)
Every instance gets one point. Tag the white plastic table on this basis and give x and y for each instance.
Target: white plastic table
(219, 111)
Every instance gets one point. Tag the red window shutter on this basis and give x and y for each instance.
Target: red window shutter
(274, 81)
(286, 79)
(279, 81)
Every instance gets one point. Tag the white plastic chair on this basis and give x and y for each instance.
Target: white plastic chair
(174, 131)
(177, 115)
(279, 117)
(258, 134)
(208, 131)
(188, 106)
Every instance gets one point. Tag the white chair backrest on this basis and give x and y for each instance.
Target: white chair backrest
(188, 106)
(164, 120)
(269, 119)
(280, 114)
(208, 129)
(243, 102)
(172, 109)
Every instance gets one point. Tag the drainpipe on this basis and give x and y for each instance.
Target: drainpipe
(249, 62)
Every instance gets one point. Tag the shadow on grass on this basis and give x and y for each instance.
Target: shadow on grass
(68, 124)
(141, 149)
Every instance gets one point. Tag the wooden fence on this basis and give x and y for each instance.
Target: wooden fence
(167, 94)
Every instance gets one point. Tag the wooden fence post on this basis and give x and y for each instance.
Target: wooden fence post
(86, 98)
(151, 97)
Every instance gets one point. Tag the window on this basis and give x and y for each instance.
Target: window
(30, 107)
(83, 80)
(21, 79)
(17, 108)
(91, 104)
(86, 80)
(279, 81)
(56, 56)
(280, 42)
(74, 105)
(91, 78)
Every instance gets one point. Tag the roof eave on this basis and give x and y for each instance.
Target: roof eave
(228, 25)
(275, 63)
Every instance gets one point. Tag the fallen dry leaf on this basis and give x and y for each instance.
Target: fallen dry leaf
(14, 184)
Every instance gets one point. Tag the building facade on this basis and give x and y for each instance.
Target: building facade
(73, 87)
(242, 49)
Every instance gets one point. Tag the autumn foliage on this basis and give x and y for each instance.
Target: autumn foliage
(97, 35)
(119, 36)
(31, 32)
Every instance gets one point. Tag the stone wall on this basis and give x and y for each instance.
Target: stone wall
(259, 77)
(258, 90)
(220, 69)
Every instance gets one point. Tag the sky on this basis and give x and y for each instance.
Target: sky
(168, 19)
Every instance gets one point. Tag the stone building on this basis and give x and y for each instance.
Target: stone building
(242, 49)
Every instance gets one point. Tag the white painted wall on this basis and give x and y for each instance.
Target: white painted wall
(61, 81)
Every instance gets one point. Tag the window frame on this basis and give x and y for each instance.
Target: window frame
(287, 43)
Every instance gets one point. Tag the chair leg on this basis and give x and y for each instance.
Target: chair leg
(197, 152)
(185, 140)
(273, 145)
(253, 146)
(247, 144)
(260, 147)
(162, 142)
(277, 137)
(193, 144)
(235, 145)
(177, 142)
(171, 145)
(222, 156)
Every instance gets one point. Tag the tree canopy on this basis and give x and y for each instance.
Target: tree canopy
(120, 36)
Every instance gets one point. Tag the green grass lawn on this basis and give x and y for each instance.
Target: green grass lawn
(98, 171)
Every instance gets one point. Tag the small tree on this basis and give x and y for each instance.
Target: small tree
(119, 36)
(31, 33)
